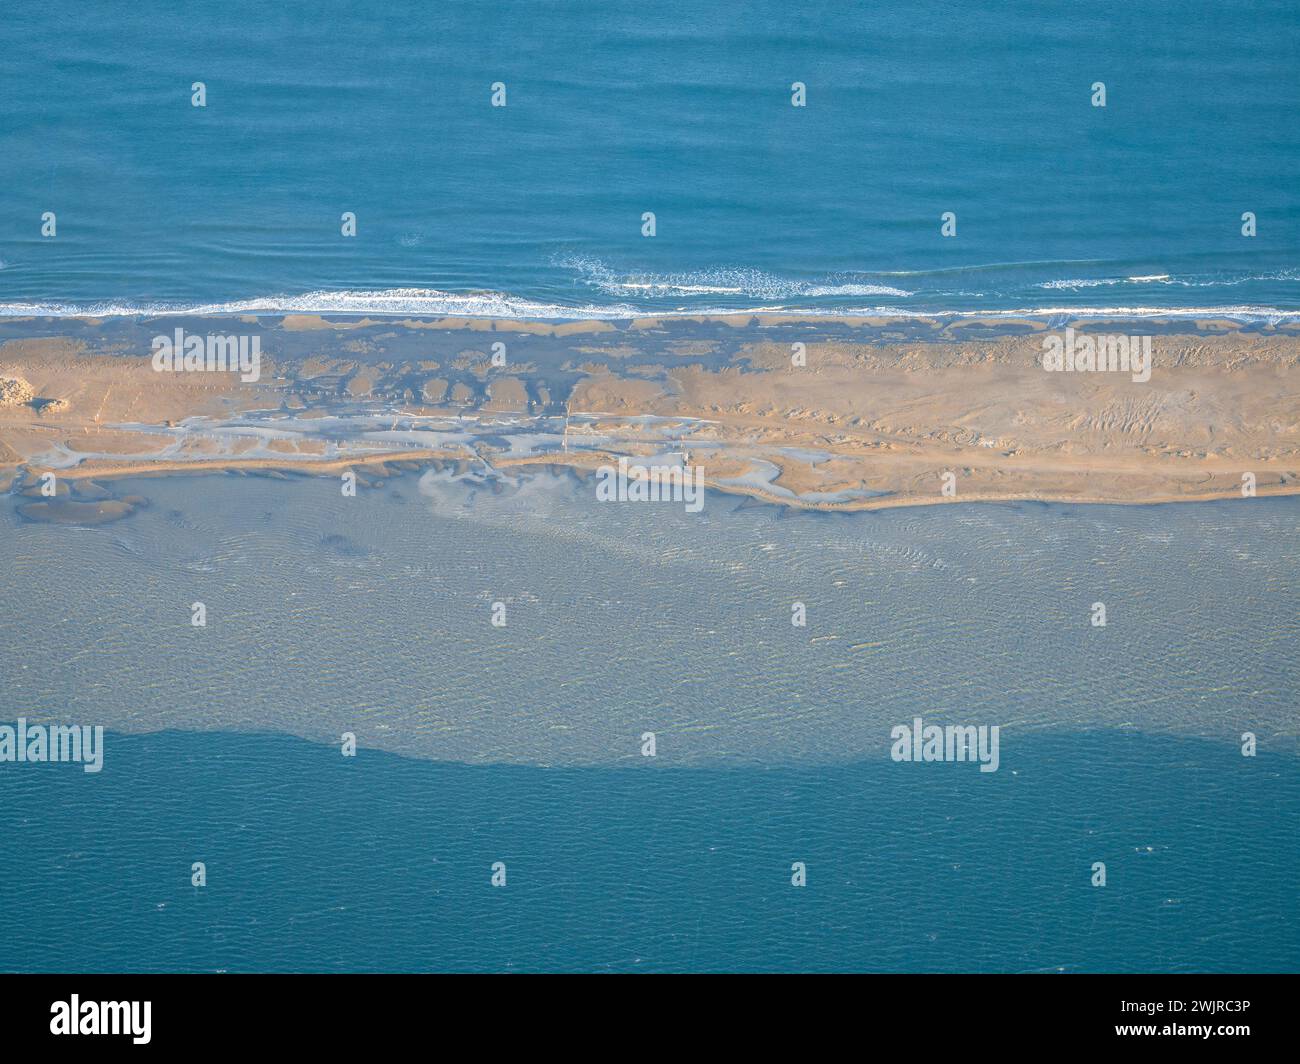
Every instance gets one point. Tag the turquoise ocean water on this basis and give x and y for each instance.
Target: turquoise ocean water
(318, 864)
(522, 744)
(678, 108)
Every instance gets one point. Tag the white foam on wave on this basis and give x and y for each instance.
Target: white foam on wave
(433, 304)
(1271, 315)
(853, 290)
(416, 302)
(1074, 283)
(743, 281)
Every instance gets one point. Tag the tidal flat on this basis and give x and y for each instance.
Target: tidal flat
(376, 614)
(825, 413)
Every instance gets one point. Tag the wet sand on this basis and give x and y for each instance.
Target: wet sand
(820, 413)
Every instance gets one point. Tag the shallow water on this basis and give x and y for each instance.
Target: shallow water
(374, 615)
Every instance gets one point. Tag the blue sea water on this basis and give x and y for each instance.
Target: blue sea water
(681, 108)
(383, 864)
(522, 744)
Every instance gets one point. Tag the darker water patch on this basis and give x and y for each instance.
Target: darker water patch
(381, 863)
(342, 546)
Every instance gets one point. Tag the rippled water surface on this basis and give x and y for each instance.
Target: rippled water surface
(372, 614)
(681, 108)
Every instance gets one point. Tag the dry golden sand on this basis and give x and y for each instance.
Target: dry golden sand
(891, 417)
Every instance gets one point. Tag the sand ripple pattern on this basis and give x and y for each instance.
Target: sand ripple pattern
(372, 615)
